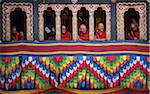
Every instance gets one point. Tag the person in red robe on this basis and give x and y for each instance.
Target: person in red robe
(17, 35)
(83, 32)
(66, 35)
(100, 33)
(133, 33)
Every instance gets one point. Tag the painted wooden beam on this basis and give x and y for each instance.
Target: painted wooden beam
(0, 20)
(35, 20)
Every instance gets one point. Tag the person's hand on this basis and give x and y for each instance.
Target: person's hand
(135, 38)
(129, 34)
(78, 38)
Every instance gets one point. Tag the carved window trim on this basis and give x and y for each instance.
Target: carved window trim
(74, 8)
(7, 9)
(139, 7)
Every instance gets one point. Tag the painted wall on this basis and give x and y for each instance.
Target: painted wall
(35, 4)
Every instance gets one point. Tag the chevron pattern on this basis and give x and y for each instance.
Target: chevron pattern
(46, 72)
(28, 72)
(110, 70)
(2, 72)
(10, 69)
(80, 72)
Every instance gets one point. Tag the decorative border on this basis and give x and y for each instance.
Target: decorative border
(59, 48)
(7, 9)
(121, 9)
(74, 8)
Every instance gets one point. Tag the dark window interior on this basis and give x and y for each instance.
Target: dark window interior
(83, 17)
(130, 16)
(18, 20)
(99, 17)
(49, 24)
(66, 19)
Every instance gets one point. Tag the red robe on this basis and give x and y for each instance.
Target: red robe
(100, 35)
(18, 36)
(136, 34)
(66, 36)
(84, 36)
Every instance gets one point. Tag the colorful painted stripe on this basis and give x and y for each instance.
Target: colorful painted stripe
(51, 48)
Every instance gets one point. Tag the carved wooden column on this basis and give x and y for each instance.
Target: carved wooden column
(74, 25)
(91, 24)
(58, 25)
(41, 26)
(0, 21)
(108, 26)
(7, 33)
(143, 23)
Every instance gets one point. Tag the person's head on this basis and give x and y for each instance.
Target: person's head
(49, 9)
(63, 29)
(134, 26)
(83, 28)
(101, 26)
(14, 29)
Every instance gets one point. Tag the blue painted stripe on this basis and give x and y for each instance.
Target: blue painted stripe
(89, 42)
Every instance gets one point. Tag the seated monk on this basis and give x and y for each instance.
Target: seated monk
(65, 35)
(100, 33)
(83, 32)
(133, 33)
(17, 35)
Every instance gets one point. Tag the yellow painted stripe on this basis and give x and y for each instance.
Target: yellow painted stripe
(74, 52)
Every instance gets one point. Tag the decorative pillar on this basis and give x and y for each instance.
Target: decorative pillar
(91, 25)
(36, 31)
(58, 25)
(41, 26)
(149, 21)
(113, 22)
(7, 32)
(0, 20)
(142, 26)
(74, 25)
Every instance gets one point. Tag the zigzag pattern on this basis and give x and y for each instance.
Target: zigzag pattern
(28, 72)
(135, 78)
(135, 69)
(2, 73)
(13, 74)
(85, 80)
(94, 68)
(100, 68)
(11, 69)
(46, 72)
(81, 72)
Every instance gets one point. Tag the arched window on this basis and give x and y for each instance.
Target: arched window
(100, 24)
(83, 24)
(66, 24)
(131, 20)
(18, 24)
(49, 24)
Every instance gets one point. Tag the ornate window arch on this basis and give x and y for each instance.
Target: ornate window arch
(139, 7)
(7, 9)
(66, 22)
(74, 8)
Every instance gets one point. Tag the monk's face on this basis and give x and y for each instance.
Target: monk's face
(101, 26)
(83, 29)
(63, 29)
(133, 26)
(14, 30)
